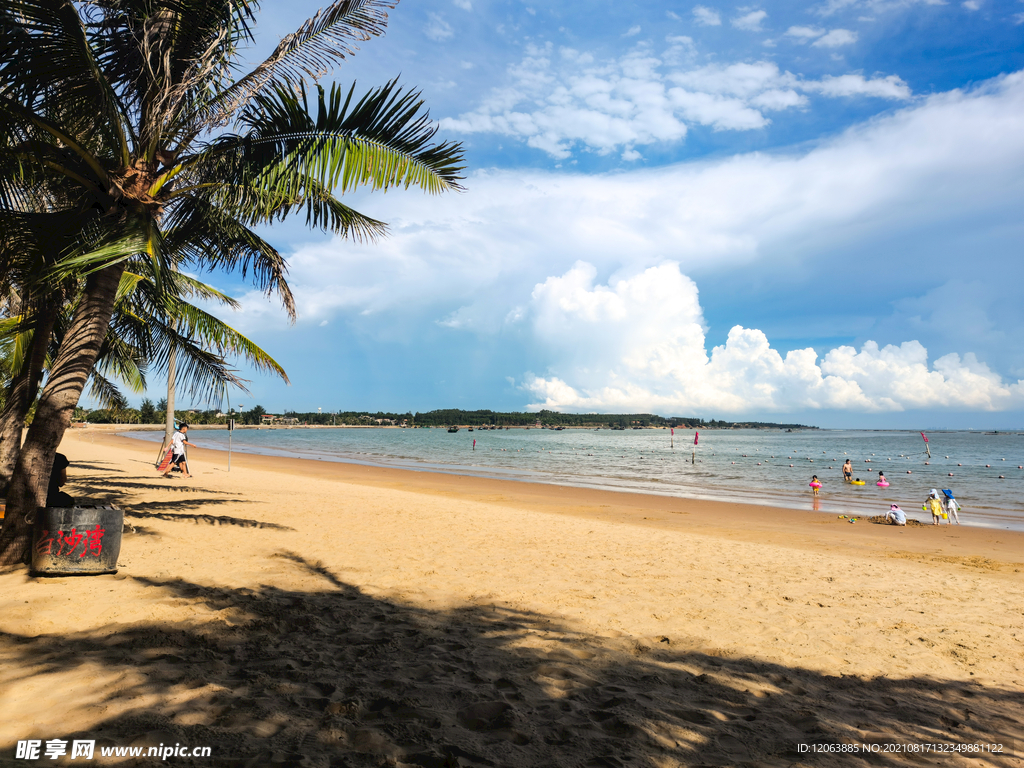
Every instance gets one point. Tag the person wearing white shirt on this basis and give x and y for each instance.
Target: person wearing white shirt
(178, 459)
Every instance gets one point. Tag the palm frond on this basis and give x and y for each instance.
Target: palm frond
(192, 286)
(91, 257)
(196, 323)
(383, 140)
(105, 392)
(311, 51)
(122, 360)
(48, 65)
(213, 239)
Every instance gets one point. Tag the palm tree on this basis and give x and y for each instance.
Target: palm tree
(130, 104)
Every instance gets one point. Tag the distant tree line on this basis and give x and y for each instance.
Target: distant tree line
(150, 413)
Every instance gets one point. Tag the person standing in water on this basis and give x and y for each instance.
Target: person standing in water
(847, 471)
(815, 485)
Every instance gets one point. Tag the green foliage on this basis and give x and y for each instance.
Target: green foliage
(254, 414)
(147, 412)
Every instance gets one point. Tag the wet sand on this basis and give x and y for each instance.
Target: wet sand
(300, 612)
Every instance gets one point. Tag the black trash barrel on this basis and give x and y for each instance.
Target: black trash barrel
(68, 541)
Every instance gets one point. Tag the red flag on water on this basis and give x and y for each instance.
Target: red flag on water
(695, 436)
(673, 432)
(924, 436)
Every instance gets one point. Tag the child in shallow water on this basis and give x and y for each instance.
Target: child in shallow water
(815, 485)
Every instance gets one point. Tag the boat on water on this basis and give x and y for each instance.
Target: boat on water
(453, 429)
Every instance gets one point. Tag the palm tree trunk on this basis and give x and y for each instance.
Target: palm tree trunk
(23, 391)
(68, 375)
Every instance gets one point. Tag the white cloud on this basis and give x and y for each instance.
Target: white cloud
(805, 33)
(557, 103)
(836, 38)
(751, 22)
(891, 87)
(638, 344)
(1018, 18)
(831, 39)
(971, 5)
(673, 16)
(437, 28)
(632, 31)
(831, 7)
(465, 5)
(706, 16)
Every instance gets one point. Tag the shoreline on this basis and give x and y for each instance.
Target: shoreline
(993, 519)
(742, 520)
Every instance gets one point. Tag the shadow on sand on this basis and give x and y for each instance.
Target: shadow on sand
(334, 677)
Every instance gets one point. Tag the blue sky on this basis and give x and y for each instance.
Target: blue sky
(779, 211)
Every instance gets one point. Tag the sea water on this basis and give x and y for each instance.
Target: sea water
(770, 467)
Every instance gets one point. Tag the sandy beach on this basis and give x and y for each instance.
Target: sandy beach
(309, 613)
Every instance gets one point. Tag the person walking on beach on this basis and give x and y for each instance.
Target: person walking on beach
(951, 507)
(934, 506)
(847, 471)
(178, 451)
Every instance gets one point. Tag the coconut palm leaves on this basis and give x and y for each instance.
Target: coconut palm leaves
(311, 51)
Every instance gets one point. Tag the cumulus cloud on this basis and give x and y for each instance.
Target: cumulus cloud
(804, 33)
(751, 22)
(891, 87)
(638, 344)
(836, 38)
(706, 16)
(559, 100)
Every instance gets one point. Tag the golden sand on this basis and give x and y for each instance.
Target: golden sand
(309, 613)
